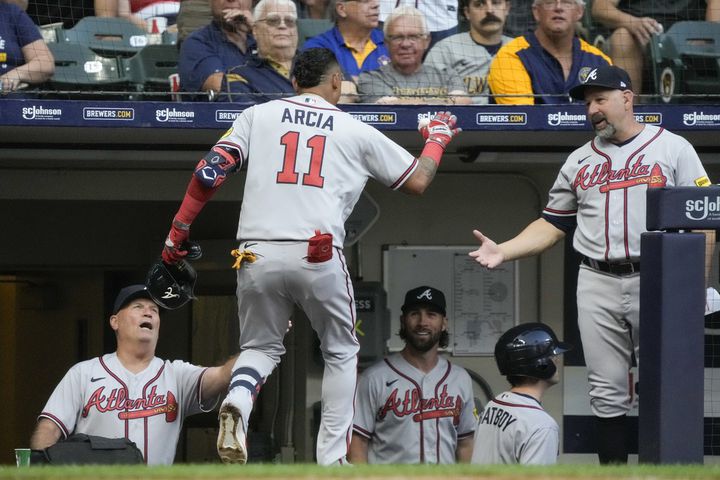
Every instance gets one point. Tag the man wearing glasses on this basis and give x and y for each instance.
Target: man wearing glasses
(542, 66)
(355, 39)
(406, 80)
(266, 74)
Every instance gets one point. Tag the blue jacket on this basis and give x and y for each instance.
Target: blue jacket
(257, 81)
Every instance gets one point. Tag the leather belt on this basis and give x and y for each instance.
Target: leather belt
(620, 268)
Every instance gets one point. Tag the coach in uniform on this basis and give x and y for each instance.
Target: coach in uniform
(307, 164)
(514, 427)
(415, 406)
(600, 193)
(131, 393)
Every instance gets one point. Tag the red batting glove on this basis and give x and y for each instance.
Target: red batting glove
(438, 134)
(442, 129)
(179, 233)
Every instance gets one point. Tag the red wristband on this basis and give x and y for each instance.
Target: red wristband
(433, 150)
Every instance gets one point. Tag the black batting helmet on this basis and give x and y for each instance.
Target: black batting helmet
(171, 286)
(526, 350)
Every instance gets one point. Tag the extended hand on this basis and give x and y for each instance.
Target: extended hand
(441, 129)
(488, 254)
(174, 250)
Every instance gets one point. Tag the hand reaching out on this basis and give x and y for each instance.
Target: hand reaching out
(488, 254)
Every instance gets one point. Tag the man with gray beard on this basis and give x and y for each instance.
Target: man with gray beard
(600, 193)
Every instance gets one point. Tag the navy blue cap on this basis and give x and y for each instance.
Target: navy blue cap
(128, 294)
(607, 76)
(424, 296)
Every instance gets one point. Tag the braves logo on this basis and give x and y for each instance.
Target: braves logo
(426, 294)
(129, 408)
(421, 409)
(170, 294)
(608, 179)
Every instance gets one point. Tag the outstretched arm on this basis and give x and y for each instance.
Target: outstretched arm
(437, 133)
(536, 238)
(217, 379)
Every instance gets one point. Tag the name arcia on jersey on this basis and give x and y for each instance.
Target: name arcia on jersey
(309, 118)
(117, 400)
(411, 403)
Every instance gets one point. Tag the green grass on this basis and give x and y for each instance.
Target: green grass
(409, 472)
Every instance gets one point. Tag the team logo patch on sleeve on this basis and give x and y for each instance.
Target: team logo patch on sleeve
(702, 182)
(227, 134)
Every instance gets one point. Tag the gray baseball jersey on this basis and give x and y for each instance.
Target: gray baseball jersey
(100, 397)
(468, 58)
(410, 416)
(603, 187)
(428, 81)
(514, 428)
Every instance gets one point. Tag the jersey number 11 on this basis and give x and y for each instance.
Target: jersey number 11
(313, 177)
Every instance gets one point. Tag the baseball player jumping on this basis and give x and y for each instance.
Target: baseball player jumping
(307, 164)
(514, 427)
(600, 192)
(415, 406)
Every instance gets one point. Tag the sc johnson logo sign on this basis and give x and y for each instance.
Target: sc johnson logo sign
(700, 118)
(515, 118)
(649, 118)
(226, 115)
(703, 209)
(172, 115)
(38, 112)
(375, 118)
(107, 113)
(565, 119)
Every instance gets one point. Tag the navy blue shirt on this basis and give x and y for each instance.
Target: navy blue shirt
(207, 51)
(257, 81)
(16, 31)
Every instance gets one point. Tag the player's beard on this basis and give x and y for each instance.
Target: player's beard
(608, 131)
(423, 343)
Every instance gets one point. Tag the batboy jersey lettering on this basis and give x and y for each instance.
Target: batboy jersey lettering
(307, 164)
(100, 397)
(410, 416)
(514, 428)
(610, 182)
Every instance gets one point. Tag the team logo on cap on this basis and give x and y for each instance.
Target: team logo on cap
(586, 74)
(426, 294)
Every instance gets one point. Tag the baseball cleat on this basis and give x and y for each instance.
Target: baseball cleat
(231, 442)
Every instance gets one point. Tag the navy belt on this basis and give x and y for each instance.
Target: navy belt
(619, 268)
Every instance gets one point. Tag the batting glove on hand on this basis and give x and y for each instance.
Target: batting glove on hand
(174, 250)
(441, 129)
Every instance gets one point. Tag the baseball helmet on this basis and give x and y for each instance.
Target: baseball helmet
(171, 286)
(526, 350)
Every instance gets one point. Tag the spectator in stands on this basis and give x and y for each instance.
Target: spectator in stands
(138, 11)
(440, 15)
(266, 75)
(24, 57)
(470, 53)
(192, 15)
(405, 79)
(520, 19)
(633, 24)
(208, 53)
(355, 39)
(318, 9)
(67, 12)
(547, 62)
